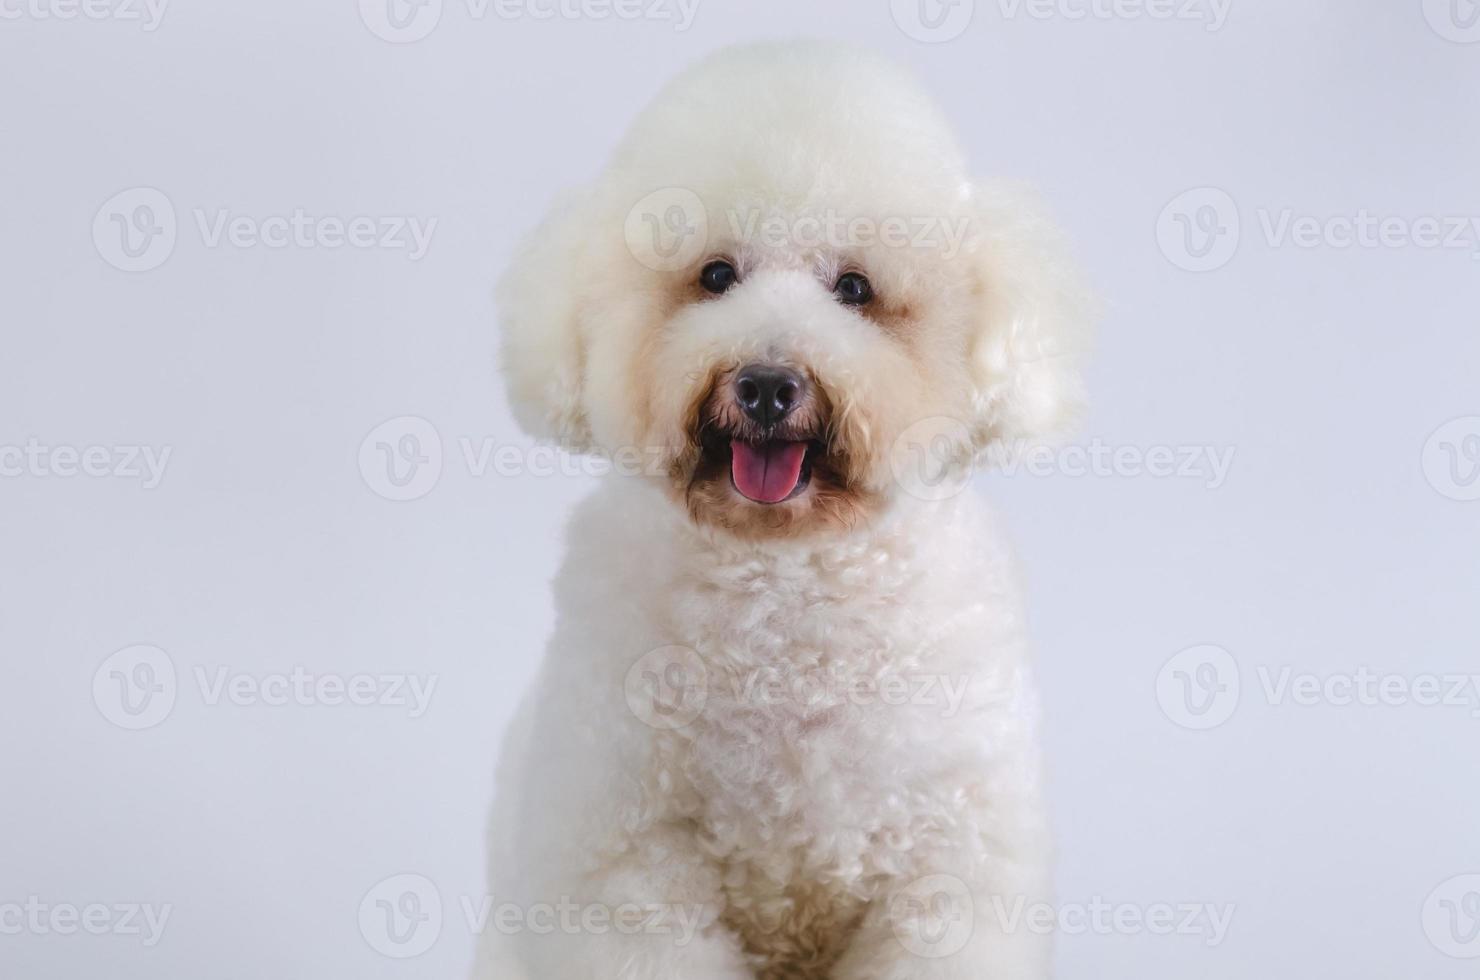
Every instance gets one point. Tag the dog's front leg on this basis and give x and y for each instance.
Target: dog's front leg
(649, 914)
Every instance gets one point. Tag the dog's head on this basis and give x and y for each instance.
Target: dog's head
(781, 285)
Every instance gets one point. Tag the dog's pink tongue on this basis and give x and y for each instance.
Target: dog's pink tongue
(768, 473)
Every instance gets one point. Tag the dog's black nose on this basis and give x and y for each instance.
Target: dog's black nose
(768, 394)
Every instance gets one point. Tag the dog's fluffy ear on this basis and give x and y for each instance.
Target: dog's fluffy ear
(1032, 323)
(544, 342)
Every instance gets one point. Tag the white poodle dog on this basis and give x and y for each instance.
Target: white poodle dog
(785, 725)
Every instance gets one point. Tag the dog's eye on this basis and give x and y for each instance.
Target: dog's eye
(853, 289)
(718, 276)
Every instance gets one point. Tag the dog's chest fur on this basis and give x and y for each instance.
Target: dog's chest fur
(814, 687)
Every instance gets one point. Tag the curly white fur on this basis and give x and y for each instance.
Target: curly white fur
(807, 755)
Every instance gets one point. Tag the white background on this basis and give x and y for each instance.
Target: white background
(264, 549)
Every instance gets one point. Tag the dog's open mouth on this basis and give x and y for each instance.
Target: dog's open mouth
(763, 467)
(770, 471)
(765, 474)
